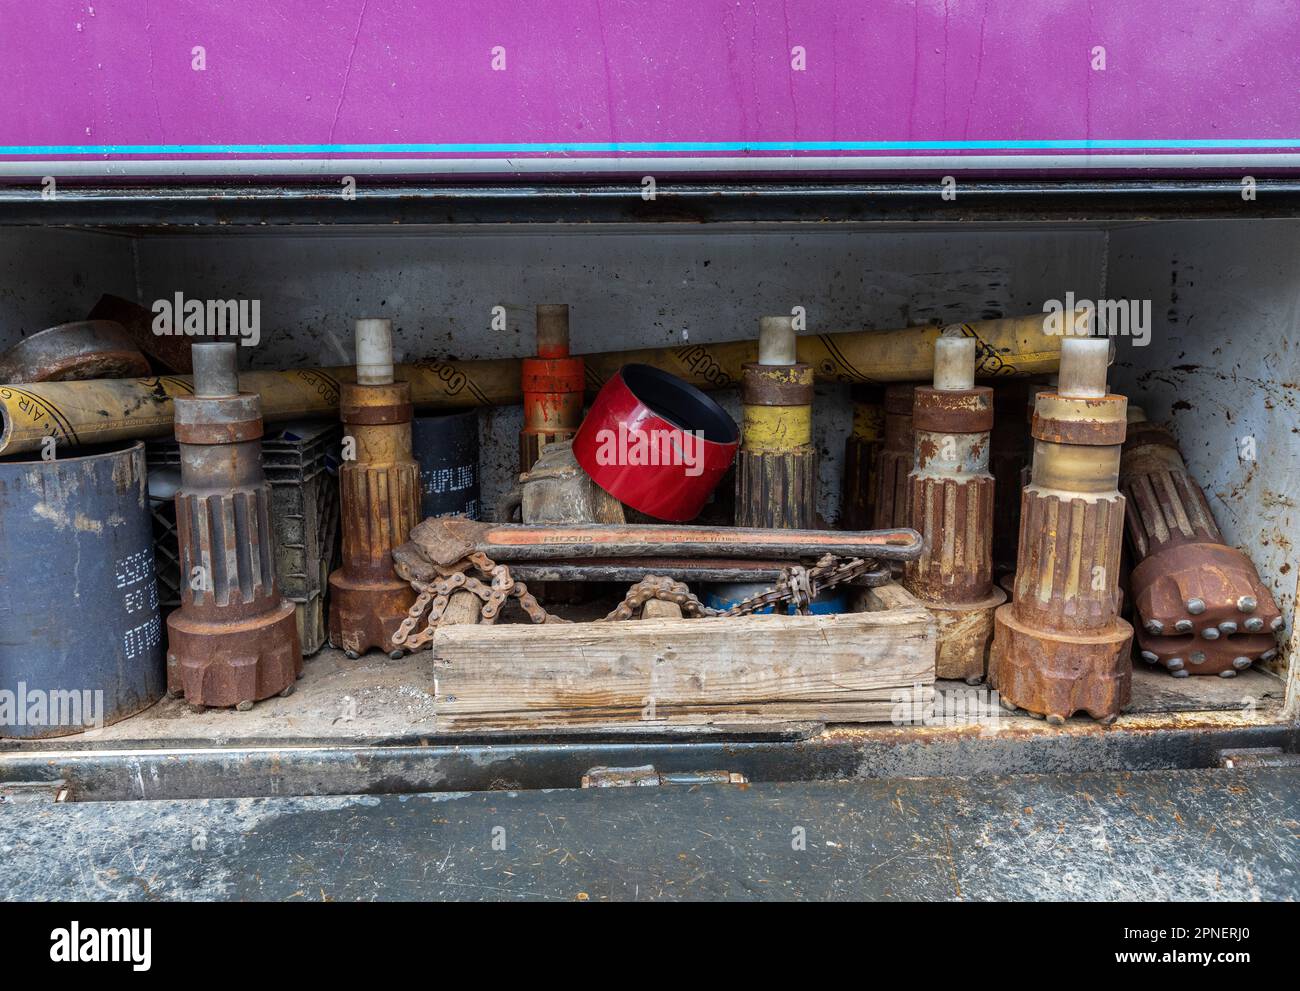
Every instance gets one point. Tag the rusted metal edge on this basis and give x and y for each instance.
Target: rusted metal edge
(492, 762)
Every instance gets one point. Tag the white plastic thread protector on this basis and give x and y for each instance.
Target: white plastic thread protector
(776, 341)
(954, 363)
(374, 351)
(1083, 367)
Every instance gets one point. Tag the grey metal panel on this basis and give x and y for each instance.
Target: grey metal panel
(684, 201)
(52, 276)
(496, 761)
(642, 289)
(1204, 834)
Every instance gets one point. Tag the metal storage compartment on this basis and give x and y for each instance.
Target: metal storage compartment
(1218, 366)
(443, 246)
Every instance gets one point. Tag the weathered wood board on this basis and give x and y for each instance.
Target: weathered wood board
(844, 668)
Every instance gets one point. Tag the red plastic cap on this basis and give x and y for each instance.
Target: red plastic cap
(656, 443)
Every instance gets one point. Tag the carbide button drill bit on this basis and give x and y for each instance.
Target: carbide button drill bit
(379, 499)
(1060, 645)
(1203, 657)
(234, 640)
(1185, 577)
(776, 468)
(951, 499)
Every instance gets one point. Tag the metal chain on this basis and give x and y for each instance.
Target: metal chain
(435, 595)
(797, 586)
(664, 589)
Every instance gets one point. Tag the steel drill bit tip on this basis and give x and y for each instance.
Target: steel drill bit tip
(1183, 626)
(1228, 628)
(1195, 606)
(1241, 663)
(1247, 603)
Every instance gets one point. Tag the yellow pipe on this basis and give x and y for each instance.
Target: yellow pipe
(104, 410)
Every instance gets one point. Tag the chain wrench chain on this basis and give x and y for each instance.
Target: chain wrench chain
(664, 589)
(435, 595)
(797, 586)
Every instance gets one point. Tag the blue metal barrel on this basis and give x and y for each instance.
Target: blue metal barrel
(80, 635)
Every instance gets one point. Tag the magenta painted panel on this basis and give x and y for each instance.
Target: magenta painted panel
(398, 86)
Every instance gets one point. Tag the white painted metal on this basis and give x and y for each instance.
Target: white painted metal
(642, 288)
(1222, 367)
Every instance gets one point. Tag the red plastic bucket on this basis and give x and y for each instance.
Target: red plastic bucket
(656, 443)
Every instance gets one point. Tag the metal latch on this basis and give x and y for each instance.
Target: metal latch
(647, 777)
(1251, 757)
(22, 792)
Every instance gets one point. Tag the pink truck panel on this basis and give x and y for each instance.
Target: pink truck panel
(542, 88)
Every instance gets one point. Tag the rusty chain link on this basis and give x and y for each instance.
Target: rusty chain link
(434, 596)
(797, 586)
(664, 589)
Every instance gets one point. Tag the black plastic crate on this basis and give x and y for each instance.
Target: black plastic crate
(301, 460)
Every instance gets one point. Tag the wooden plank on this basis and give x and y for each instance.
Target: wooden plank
(739, 716)
(890, 597)
(697, 662)
(841, 668)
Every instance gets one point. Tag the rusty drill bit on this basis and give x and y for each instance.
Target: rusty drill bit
(379, 499)
(891, 509)
(234, 640)
(862, 457)
(951, 503)
(1060, 646)
(776, 467)
(1188, 585)
(553, 383)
